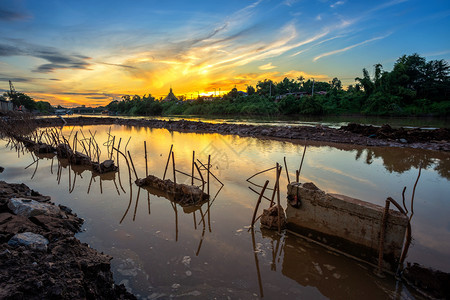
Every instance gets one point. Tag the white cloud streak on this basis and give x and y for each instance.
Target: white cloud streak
(348, 48)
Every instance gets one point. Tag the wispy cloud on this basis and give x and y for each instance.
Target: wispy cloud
(348, 48)
(268, 66)
(290, 2)
(56, 58)
(338, 3)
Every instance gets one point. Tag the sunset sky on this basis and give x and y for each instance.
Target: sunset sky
(91, 52)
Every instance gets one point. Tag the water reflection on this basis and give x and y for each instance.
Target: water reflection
(311, 265)
(143, 229)
(405, 160)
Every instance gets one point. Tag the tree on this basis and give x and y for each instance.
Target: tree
(266, 88)
(250, 90)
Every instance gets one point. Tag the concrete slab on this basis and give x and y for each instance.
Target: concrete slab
(347, 224)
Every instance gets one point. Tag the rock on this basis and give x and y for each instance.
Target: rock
(29, 239)
(2, 169)
(65, 209)
(108, 163)
(403, 141)
(29, 208)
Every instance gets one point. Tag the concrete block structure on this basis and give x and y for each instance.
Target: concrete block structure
(347, 224)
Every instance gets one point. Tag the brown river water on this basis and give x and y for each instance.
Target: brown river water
(162, 250)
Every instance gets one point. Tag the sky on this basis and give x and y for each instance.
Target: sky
(92, 52)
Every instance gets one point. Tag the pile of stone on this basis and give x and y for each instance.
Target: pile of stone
(39, 256)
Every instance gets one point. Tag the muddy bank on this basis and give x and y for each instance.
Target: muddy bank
(39, 256)
(438, 139)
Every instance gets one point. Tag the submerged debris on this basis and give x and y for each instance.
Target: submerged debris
(184, 194)
(430, 282)
(269, 218)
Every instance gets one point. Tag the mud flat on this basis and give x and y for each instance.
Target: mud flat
(438, 139)
(39, 256)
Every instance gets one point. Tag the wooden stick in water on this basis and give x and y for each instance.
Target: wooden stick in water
(209, 167)
(193, 161)
(174, 176)
(167, 163)
(134, 169)
(146, 165)
(258, 202)
(301, 164)
(287, 172)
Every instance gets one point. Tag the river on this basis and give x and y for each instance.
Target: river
(163, 250)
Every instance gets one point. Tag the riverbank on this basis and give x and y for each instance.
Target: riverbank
(384, 136)
(40, 257)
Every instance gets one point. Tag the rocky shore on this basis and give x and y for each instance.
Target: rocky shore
(39, 256)
(386, 136)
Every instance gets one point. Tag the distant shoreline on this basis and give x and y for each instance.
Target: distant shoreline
(385, 136)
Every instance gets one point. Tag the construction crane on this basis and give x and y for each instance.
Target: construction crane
(12, 91)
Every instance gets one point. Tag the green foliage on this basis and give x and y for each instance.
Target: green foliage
(413, 87)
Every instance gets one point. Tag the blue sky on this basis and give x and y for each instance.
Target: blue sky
(90, 52)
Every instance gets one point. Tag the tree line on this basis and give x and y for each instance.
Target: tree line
(414, 87)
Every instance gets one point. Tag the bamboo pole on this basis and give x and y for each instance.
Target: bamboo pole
(209, 171)
(193, 161)
(126, 160)
(301, 164)
(174, 176)
(134, 169)
(146, 165)
(201, 176)
(181, 172)
(167, 163)
(259, 173)
(258, 202)
(277, 177)
(278, 203)
(286, 168)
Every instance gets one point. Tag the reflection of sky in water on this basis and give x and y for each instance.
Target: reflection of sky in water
(225, 260)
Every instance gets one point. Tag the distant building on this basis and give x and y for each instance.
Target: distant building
(170, 97)
(6, 105)
(295, 94)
